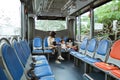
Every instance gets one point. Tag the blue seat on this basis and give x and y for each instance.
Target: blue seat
(46, 47)
(79, 55)
(27, 51)
(42, 71)
(12, 62)
(35, 57)
(37, 51)
(3, 75)
(101, 52)
(37, 45)
(15, 67)
(82, 48)
(23, 58)
(20, 53)
(58, 40)
(90, 60)
(65, 39)
(90, 49)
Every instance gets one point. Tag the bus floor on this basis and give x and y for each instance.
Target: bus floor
(66, 70)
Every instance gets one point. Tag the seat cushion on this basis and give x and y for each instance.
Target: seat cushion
(41, 63)
(48, 78)
(79, 55)
(105, 66)
(37, 51)
(73, 52)
(37, 58)
(90, 60)
(116, 73)
(42, 71)
(48, 51)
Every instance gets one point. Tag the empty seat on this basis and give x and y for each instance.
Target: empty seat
(15, 67)
(46, 47)
(37, 46)
(89, 52)
(21, 55)
(113, 61)
(115, 73)
(58, 40)
(101, 53)
(81, 49)
(27, 51)
(12, 62)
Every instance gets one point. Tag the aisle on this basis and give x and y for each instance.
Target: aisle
(66, 71)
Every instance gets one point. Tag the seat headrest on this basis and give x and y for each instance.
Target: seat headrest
(115, 50)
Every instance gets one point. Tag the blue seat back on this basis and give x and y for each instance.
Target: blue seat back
(25, 48)
(103, 50)
(58, 39)
(37, 43)
(65, 39)
(2, 74)
(84, 44)
(45, 42)
(11, 60)
(92, 45)
(103, 47)
(27, 45)
(20, 53)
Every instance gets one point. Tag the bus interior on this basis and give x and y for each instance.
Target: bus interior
(93, 27)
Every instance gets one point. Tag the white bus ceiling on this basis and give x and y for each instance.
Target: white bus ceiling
(59, 8)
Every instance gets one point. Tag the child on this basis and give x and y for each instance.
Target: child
(63, 45)
(69, 43)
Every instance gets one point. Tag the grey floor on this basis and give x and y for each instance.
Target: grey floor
(66, 71)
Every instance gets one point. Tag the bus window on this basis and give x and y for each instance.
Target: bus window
(50, 25)
(10, 17)
(106, 18)
(85, 25)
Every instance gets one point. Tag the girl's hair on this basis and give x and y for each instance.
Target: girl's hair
(52, 34)
(61, 40)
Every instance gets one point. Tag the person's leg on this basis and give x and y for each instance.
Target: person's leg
(59, 54)
(56, 55)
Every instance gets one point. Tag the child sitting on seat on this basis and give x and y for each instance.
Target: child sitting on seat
(69, 43)
(63, 45)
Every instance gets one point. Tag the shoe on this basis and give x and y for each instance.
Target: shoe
(58, 62)
(61, 58)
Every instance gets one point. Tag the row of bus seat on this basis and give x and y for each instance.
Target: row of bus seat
(38, 47)
(102, 55)
(17, 63)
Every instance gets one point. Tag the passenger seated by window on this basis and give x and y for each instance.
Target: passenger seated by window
(52, 45)
(70, 45)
